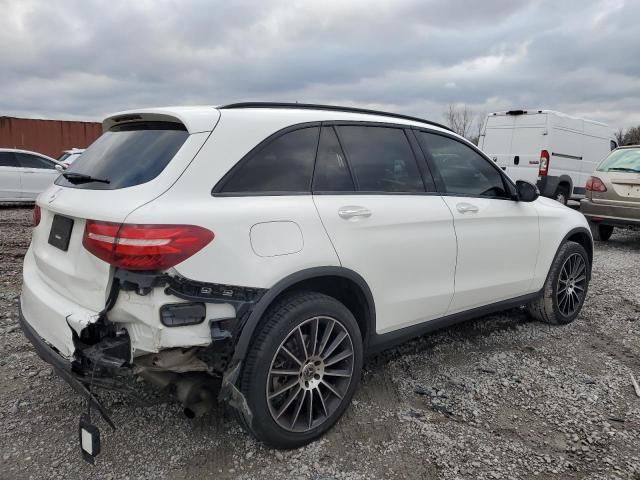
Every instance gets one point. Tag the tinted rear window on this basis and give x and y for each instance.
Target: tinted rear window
(282, 165)
(128, 155)
(8, 159)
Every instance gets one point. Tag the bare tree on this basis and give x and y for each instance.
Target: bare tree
(480, 118)
(460, 119)
(620, 136)
(632, 136)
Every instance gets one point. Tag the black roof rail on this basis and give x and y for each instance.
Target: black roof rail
(334, 108)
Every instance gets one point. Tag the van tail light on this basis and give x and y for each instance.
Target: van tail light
(144, 247)
(37, 215)
(594, 184)
(543, 169)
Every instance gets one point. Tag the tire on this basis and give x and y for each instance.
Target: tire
(313, 392)
(566, 286)
(562, 194)
(601, 232)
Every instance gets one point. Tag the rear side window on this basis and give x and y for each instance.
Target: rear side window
(332, 172)
(283, 165)
(381, 159)
(128, 155)
(7, 159)
(31, 161)
(463, 171)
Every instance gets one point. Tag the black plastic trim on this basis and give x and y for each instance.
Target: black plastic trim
(585, 230)
(379, 342)
(564, 155)
(332, 108)
(261, 306)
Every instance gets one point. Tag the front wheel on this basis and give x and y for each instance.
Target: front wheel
(302, 369)
(566, 286)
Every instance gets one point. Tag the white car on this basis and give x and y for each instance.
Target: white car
(24, 174)
(273, 246)
(556, 151)
(70, 156)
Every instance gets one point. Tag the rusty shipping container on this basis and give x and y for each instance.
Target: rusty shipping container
(50, 137)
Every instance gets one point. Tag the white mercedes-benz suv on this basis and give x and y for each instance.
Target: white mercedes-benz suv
(273, 247)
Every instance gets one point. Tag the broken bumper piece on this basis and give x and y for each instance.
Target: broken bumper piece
(63, 369)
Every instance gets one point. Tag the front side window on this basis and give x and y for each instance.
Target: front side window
(463, 171)
(282, 165)
(381, 159)
(31, 161)
(8, 159)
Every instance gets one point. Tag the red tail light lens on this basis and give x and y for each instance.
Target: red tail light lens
(144, 247)
(594, 184)
(37, 214)
(544, 163)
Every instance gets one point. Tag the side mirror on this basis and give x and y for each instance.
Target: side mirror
(60, 168)
(527, 192)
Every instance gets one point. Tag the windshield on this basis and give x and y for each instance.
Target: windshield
(128, 155)
(62, 157)
(623, 160)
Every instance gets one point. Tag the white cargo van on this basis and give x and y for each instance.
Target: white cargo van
(554, 150)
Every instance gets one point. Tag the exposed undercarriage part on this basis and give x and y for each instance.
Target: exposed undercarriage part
(193, 374)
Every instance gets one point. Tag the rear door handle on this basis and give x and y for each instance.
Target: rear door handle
(354, 211)
(465, 207)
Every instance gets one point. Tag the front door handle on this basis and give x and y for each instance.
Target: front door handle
(465, 207)
(353, 211)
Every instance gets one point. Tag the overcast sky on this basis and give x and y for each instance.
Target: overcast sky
(83, 59)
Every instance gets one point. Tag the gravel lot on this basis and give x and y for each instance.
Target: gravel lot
(500, 397)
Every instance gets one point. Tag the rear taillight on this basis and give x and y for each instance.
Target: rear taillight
(544, 163)
(594, 184)
(37, 214)
(144, 247)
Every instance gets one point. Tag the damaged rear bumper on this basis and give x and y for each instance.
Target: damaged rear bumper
(63, 368)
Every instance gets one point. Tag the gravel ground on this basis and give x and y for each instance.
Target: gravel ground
(500, 397)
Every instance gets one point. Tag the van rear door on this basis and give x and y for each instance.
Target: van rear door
(496, 141)
(514, 141)
(528, 140)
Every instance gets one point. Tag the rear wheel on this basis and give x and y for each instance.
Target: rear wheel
(601, 232)
(562, 194)
(302, 370)
(566, 286)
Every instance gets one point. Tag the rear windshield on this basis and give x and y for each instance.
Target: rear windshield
(127, 155)
(623, 160)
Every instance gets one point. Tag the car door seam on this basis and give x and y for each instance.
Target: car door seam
(455, 266)
(313, 200)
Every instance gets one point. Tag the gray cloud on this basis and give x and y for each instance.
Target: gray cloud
(84, 59)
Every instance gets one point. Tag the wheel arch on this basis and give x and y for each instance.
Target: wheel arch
(341, 283)
(566, 180)
(582, 236)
